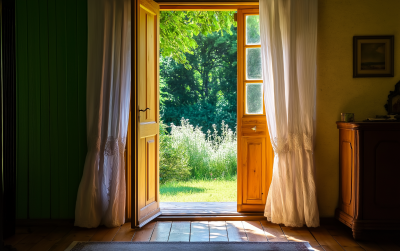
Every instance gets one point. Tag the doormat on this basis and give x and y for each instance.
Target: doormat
(192, 246)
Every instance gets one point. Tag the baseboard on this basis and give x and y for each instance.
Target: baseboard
(329, 221)
(45, 222)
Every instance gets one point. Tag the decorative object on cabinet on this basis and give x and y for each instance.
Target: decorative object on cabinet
(347, 117)
(369, 175)
(373, 56)
(393, 103)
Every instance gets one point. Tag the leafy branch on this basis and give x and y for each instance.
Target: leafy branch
(177, 29)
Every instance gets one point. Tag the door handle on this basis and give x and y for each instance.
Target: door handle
(254, 128)
(144, 110)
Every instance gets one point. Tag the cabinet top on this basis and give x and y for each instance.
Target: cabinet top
(368, 125)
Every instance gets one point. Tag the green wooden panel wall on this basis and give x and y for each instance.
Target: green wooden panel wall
(51, 46)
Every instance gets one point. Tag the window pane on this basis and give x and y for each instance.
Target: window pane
(253, 30)
(253, 64)
(254, 98)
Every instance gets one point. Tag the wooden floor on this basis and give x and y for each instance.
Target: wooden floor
(328, 237)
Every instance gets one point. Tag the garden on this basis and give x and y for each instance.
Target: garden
(198, 81)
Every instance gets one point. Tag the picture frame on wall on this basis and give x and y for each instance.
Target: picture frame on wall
(373, 56)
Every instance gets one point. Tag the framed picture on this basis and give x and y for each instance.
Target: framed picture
(373, 56)
(393, 103)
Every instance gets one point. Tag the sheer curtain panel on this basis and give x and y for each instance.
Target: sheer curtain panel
(101, 194)
(288, 43)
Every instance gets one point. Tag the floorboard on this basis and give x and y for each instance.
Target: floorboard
(180, 231)
(236, 231)
(273, 232)
(322, 236)
(335, 247)
(161, 231)
(299, 234)
(125, 233)
(370, 246)
(144, 234)
(218, 231)
(254, 231)
(347, 242)
(355, 248)
(76, 234)
(199, 231)
(47, 242)
(105, 234)
(325, 238)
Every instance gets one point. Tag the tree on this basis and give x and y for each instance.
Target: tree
(178, 28)
(206, 93)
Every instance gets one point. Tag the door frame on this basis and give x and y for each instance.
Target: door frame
(132, 147)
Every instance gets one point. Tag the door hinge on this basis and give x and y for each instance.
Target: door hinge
(235, 17)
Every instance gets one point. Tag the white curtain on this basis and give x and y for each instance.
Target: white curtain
(101, 194)
(288, 43)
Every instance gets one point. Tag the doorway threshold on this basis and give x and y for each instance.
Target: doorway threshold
(204, 211)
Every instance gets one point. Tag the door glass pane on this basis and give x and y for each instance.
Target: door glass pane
(253, 30)
(254, 98)
(253, 64)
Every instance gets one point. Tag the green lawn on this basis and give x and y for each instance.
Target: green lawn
(199, 191)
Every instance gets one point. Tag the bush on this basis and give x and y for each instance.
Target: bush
(202, 114)
(173, 164)
(205, 156)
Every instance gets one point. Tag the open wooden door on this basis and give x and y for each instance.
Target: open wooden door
(145, 177)
(255, 153)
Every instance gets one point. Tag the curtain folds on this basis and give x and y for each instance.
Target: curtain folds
(101, 194)
(289, 41)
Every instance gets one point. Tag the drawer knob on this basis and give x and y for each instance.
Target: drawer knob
(254, 128)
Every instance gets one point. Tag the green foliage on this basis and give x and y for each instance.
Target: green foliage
(205, 94)
(253, 29)
(215, 190)
(173, 164)
(177, 29)
(207, 156)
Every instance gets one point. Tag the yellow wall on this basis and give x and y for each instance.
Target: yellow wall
(337, 90)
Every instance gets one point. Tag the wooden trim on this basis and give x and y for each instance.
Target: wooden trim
(253, 4)
(134, 127)
(46, 223)
(184, 212)
(211, 218)
(240, 106)
(128, 171)
(149, 217)
(209, 7)
(370, 126)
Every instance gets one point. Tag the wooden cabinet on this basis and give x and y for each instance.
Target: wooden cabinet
(369, 195)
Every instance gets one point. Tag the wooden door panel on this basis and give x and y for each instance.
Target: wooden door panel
(147, 179)
(253, 176)
(381, 172)
(346, 171)
(150, 65)
(151, 148)
(142, 78)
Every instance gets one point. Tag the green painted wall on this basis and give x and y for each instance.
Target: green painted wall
(51, 92)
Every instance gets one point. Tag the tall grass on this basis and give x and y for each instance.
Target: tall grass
(188, 153)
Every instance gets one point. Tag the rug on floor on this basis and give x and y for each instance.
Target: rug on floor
(192, 246)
